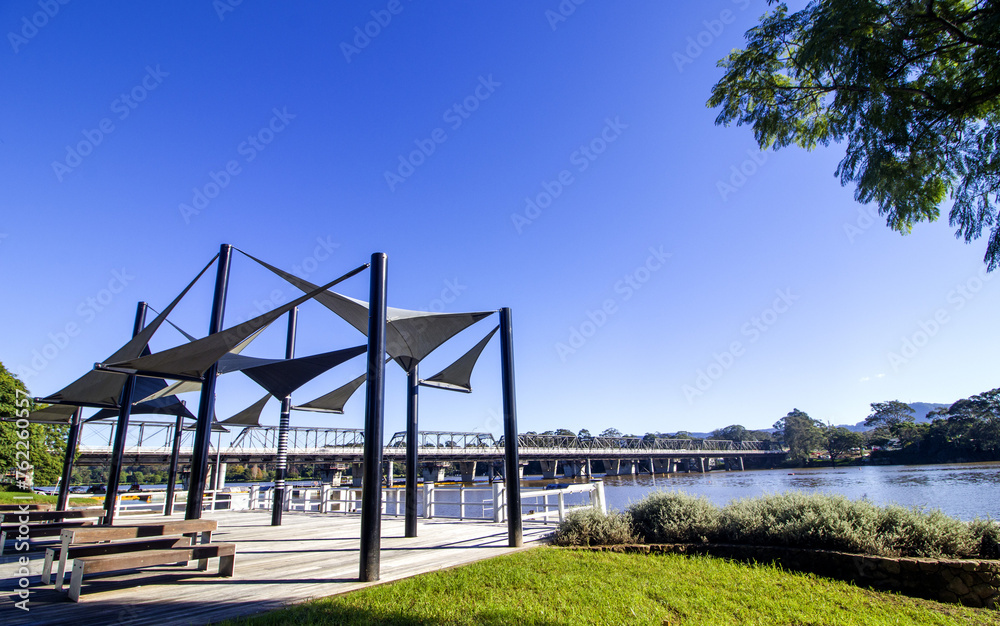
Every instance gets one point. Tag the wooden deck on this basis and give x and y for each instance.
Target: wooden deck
(310, 556)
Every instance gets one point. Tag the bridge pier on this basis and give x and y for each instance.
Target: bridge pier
(549, 469)
(588, 471)
(662, 466)
(218, 476)
(357, 474)
(619, 467)
(733, 463)
(572, 469)
(332, 475)
(468, 470)
(433, 472)
(388, 474)
(520, 470)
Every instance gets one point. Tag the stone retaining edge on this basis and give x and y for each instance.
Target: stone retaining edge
(971, 582)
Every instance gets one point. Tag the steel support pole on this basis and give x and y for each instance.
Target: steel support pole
(121, 430)
(371, 490)
(206, 403)
(515, 537)
(412, 448)
(286, 408)
(71, 441)
(175, 453)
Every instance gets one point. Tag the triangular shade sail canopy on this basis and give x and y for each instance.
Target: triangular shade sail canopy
(334, 401)
(185, 386)
(192, 360)
(169, 405)
(217, 427)
(249, 416)
(103, 389)
(283, 377)
(54, 414)
(410, 335)
(458, 375)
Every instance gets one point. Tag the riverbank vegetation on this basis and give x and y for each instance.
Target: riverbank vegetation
(799, 520)
(549, 586)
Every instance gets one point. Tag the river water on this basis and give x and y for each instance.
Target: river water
(965, 491)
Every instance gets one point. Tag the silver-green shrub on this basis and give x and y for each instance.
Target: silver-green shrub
(987, 536)
(673, 517)
(799, 520)
(590, 527)
(815, 521)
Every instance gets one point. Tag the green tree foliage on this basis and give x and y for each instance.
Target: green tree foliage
(912, 88)
(611, 432)
(800, 433)
(894, 416)
(45, 443)
(734, 432)
(839, 442)
(968, 429)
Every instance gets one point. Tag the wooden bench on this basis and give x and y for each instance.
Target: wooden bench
(226, 552)
(14, 508)
(45, 523)
(97, 540)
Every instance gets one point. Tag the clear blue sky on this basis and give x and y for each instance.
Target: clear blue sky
(646, 255)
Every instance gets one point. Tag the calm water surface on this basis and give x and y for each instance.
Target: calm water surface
(965, 491)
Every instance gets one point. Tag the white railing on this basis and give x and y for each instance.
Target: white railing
(538, 505)
(436, 502)
(155, 502)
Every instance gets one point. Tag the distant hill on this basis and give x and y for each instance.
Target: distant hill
(920, 411)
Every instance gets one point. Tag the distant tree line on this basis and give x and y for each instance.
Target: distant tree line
(968, 430)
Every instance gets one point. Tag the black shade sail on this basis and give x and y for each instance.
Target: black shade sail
(186, 386)
(103, 389)
(334, 401)
(458, 375)
(53, 414)
(191, 360)
(283, 377)
(410, 335)
(249, 416)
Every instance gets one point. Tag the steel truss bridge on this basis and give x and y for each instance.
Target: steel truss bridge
(151, 443)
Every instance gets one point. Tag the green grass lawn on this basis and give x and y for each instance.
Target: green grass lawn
(8, 497)
(554, 586)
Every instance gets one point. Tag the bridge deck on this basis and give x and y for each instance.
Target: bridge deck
(310, 556)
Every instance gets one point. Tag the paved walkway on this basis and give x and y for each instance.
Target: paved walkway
(310, 556)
